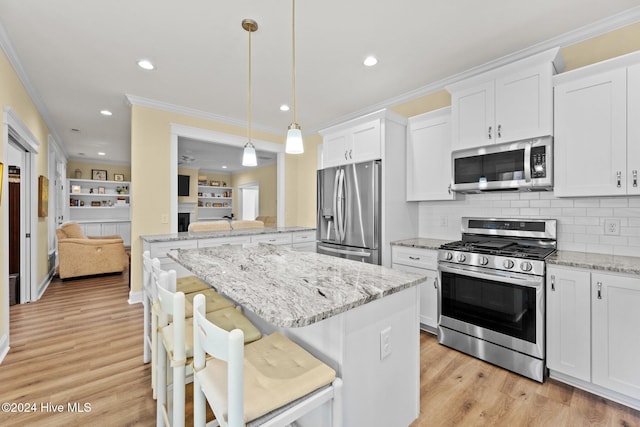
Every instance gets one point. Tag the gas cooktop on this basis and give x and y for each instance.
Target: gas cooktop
(498, 247)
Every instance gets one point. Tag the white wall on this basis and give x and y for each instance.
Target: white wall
(580, 220)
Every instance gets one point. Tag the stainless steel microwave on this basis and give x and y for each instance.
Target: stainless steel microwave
(521, 166)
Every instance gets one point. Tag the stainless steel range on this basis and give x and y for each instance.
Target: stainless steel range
(491, 299)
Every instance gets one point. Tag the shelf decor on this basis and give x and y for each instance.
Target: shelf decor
(118, 177)
(99, 174)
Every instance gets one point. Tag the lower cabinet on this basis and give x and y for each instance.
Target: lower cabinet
(122, 229)
(425, 262)
(592, 337)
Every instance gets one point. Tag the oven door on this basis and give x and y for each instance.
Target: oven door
(505, 308)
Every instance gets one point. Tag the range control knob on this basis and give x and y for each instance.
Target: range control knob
(448, 256)
(461, 257)
(484, 260)
(508, 263)
(525, 266)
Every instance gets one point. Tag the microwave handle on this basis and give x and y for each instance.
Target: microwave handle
(527, 162)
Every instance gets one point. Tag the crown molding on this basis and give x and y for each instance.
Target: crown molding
(14, 60)
(192, 112)
(597, 28)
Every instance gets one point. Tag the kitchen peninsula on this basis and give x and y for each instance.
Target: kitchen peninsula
(360, 319)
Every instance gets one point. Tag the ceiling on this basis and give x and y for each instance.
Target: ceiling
(79, 57)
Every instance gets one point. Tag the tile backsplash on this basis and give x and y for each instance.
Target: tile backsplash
(581, 221)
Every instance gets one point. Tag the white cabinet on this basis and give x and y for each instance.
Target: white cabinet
(592, 336)
(424, 262)
(510, 103)
(616, 341)
(304, 241)
(569, 322)
(353, 145)
(214, 202)
(597, 132)
(590, 135)
(429, 156)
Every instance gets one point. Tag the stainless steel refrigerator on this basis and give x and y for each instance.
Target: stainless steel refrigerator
(349, 204)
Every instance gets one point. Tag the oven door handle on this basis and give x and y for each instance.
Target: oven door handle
(533, 282)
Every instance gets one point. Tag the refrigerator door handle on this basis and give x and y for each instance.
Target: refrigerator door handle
(340, 226)
(336, 182)
(344, 251)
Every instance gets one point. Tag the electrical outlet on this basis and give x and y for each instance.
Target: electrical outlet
(385, 343)
(612, 226)
(164, 219)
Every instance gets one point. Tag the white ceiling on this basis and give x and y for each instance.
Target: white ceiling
(79, 57)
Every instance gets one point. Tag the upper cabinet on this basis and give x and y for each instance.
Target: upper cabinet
(429, 156)
(357, 144)
(510, 103)
(597, 148)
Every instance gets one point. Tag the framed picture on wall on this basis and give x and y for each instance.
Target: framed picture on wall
(43, 196)
(99, 174)
(118, 177)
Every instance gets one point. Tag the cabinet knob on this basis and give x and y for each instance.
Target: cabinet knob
(490, 131)
(553, 282)
(619, 178)
(599, 289)
(635, 178)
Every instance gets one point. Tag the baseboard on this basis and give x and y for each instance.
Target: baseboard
(596, 389)
(135, 297)
(4, 347)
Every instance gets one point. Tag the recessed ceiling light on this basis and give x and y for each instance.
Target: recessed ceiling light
(101, 153)
(224, 166)
(284, 107)
(106, 113)
(370, 61)
(146, 64)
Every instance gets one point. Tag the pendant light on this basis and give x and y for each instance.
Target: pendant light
(249, 153)
(294, 134)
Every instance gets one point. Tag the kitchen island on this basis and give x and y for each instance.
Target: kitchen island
(360, 319)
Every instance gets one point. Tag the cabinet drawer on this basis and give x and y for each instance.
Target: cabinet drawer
(415, 257)
(160, 249)
(274, 239)
(219, 241)
(304, 237)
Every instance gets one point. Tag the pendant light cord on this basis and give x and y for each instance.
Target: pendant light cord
(249, 95)
(293, 49)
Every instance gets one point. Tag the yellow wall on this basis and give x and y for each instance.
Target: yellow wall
(14, 95)
(267, 179)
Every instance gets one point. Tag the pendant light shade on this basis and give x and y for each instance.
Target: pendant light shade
(249, 153)
(294, 134)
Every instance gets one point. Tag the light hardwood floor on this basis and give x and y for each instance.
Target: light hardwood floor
(82, 343)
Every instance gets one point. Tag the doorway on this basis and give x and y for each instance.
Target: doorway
(249, 202)
(15, 159)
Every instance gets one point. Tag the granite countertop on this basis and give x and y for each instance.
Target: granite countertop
(289, 288)
(422, 243)
(189, 235)
(593, 261)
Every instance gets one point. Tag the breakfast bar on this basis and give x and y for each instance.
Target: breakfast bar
(360, 319)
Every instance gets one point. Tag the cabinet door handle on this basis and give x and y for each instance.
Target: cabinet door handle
(619, 178)
(499, 131)
(415, 258)
(345, 155)
(435, 283)
(599, 290)
(449, 189)
(350, 156)
(635, 178)
(490, 132)
(553, 282)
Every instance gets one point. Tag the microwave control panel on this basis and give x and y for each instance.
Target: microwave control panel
(538, 162)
